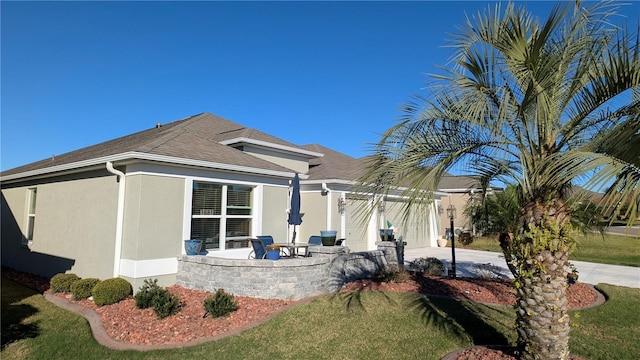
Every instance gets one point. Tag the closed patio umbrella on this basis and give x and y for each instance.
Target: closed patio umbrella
(294, 212)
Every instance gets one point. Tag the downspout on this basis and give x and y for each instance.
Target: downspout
(343, 216)
(119, 218)
(327, 191)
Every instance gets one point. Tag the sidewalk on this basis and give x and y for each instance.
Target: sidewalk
(475, 263)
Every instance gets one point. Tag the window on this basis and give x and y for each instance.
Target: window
(31, 213)
(210, 221)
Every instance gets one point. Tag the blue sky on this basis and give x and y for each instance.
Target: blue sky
(74, 74)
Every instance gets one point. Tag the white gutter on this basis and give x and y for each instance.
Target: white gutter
(119, 217)
(327, 191)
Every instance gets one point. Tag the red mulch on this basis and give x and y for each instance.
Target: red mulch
(126, 323)
(494, 353)
(489, 291)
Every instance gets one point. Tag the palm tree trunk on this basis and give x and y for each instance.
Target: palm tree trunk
(542, 309)
(541, 254)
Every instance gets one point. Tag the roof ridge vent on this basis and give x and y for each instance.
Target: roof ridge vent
(158, 125)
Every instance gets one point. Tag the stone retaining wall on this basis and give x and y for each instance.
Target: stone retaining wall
(326, 270)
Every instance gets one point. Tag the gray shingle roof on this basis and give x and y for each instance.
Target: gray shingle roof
(196, 137)
(451, 182)
(333, 165)
(336, 165)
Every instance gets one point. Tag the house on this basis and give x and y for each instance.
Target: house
(123, 208)
(460, 191)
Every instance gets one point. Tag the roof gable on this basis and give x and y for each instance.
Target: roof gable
(196, 138)
(333, 165)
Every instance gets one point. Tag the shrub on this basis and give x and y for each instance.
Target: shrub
(82, 288)
(221, 304)
(394, 274)
(428, 266)
(62, 282)
(111, 291)
(163, 302)
(465, 238)
(146, 293)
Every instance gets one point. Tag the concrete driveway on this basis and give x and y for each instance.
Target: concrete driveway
(633, 231)
(475, 263)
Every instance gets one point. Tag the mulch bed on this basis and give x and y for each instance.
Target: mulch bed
(126, 323)
(487, 291)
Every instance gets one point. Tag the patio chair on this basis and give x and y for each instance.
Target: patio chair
(315, 240)
(339, 242)
(268, 240)
(259, 249)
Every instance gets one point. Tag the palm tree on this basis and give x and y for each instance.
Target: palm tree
(497, 211)
(537, 103)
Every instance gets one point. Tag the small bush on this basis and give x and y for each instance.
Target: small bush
(428, 266)
(394, 274)
(82, 288)
(146, 293)
(465, 238)
(62, 282)
(221, 304)
(111, 291)
(163, 302)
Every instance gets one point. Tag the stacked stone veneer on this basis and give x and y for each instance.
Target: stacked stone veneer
(326, 270)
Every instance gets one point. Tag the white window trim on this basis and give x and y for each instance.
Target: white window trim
(30, 217)
(257, 189)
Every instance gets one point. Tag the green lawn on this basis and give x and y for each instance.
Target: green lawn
(358, 325)
(610, 249)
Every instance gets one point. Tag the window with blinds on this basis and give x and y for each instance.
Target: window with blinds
(217, 225)
(238, 200)
(207, 199)
(208, 230)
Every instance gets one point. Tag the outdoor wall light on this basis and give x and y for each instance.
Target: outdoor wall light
(451, 213)
(440, 209)
(342, 204)
(381, 206)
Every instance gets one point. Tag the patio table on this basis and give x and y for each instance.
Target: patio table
(294, 248)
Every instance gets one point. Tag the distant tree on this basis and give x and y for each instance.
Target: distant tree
(500, 212)
(540, 104)
(497, 212)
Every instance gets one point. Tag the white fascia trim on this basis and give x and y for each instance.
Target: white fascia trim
(328, 181)
(148, 268)
(464, 190)
(134, 155)
(349, 182)
(272, 146)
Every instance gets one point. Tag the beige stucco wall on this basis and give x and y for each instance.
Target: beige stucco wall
(414, 230)
(357, 226)
(295, 163)
(74, 225)
(274, 213)
(15, 214)
(314, 207)
(153, 217)
(461, 221)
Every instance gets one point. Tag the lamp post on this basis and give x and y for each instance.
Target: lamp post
(451, 213)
